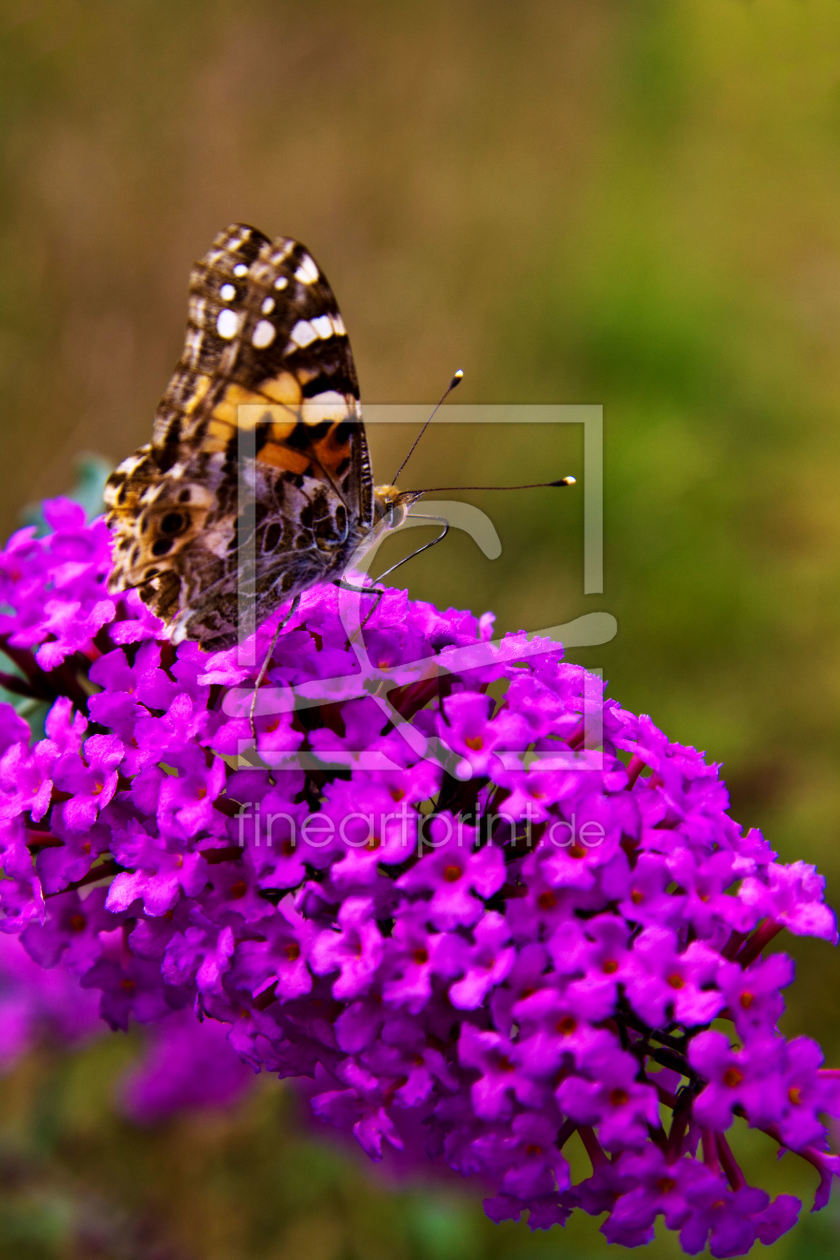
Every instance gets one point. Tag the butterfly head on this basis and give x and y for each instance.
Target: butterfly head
(391, 505)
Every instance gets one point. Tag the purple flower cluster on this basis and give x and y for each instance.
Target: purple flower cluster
(490, 913)
(182, 1064)
(39, 1006)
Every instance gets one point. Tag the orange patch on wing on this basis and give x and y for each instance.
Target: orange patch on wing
(284, 389)
(240, 409)
(330, 453)
(281, 456)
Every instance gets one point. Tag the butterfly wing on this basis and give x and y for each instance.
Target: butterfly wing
(257, 481)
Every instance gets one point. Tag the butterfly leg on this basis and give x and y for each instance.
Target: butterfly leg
(376, 591)
(434, 520)
(279, 628)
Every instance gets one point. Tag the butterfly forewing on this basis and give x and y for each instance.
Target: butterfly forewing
(262, 407)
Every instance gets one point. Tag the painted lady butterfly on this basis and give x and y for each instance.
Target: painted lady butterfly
(257, 483)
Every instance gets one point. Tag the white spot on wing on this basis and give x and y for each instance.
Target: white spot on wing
(240, 269)
(263, 335)
(307, 272)
(303, 334)
(268, 306)
(326, 406)
(282, 254)
(338, 326)
(227, 324)
(228, 292)
(323, 326)
(128, 466)
(281, 282)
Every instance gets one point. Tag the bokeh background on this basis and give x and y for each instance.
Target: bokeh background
(631, 205)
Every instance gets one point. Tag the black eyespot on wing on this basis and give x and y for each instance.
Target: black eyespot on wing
(172, 523)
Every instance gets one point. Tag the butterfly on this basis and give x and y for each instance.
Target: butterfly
(256, 484)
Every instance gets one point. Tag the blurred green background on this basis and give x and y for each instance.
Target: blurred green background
(632, 205)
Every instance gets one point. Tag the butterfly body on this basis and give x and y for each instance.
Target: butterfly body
(257, 483)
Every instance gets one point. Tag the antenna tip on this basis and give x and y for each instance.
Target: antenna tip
(457, 377)
(565, 481)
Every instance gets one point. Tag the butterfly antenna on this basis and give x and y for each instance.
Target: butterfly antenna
(531, 485)
(456, 380)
